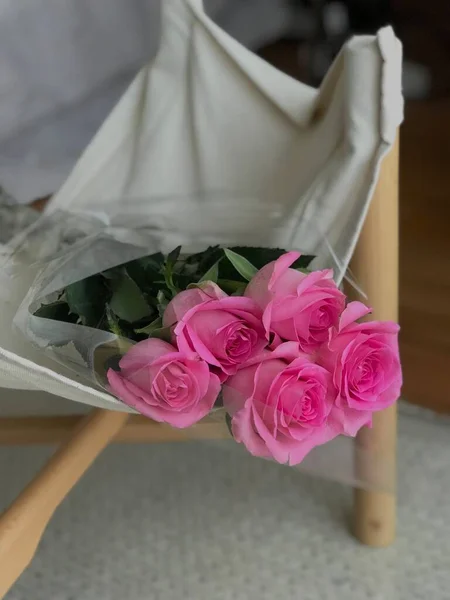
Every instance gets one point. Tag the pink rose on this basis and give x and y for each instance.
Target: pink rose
(187, 299)
(225, 331)
(364, 361)
(281, 405)
(164, 384)
(297, 306)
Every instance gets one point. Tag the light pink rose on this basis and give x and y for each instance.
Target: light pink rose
(225, 331)
(297, 306)
(187, 299)
(281, 405)
(164, 384)
(364, 361)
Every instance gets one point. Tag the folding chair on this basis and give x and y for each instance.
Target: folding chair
(374, 266)
(82, 439)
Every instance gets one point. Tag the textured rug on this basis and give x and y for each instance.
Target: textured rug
(199, 521)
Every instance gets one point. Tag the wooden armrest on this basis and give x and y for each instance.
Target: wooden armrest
(24, 522)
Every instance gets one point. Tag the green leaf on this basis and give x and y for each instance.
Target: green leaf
(151, 327)
(113, 323)
(147, 279)
(206, 258)
(232, 287)
(87, 299)
(241, 264)
(161, 298)
(259, 257)
(212, 273)
(57, 311)
(127, 301)
(162, 302)
(156, 330)
(228, 422)
(153, 261)
(163, 333)
(181, 281)
(147, 272)
(172, 258)
(112, 273)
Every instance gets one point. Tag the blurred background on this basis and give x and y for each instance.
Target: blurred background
(66, 63)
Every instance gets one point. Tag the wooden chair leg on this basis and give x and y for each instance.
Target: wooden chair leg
(375, 268)
(24, 522)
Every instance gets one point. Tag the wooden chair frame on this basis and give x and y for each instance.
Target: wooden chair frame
(375, 267)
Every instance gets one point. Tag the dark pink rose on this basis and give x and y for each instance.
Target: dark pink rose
(281, 405)
(297, 306)
(364, 361)
(225, 331)
(164, 384)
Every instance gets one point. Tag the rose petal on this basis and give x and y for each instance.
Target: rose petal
(281, 265)
(317, 438)
(353, 311)
(244, 432)
(260, 287)
(238, 388)
(181, 304)
(144, 353)
(312, 279)
(348, 422)
(204, 406)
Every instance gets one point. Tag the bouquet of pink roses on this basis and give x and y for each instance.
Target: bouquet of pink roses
(248, 329)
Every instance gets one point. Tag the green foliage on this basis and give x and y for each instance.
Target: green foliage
(211, 274)
(146, 273)
(171, 261)
(113, 323)
(241, 264)
(57, 311)
(259, 257)
(130, 299)
(87, 299)
(163, 333)
(127, 300)
(151, 327)
(162, 302)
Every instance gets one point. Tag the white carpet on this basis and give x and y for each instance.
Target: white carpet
(198, 521)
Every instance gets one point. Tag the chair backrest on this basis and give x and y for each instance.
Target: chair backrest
(209, 115)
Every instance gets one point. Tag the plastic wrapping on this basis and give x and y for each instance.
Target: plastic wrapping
(63, 248)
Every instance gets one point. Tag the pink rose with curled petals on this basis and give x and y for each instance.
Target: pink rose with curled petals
(364, 361)
(164, 384)
(281, 405)
(297, 306)
(225, 331)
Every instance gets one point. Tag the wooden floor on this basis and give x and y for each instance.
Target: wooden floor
(425, 253)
